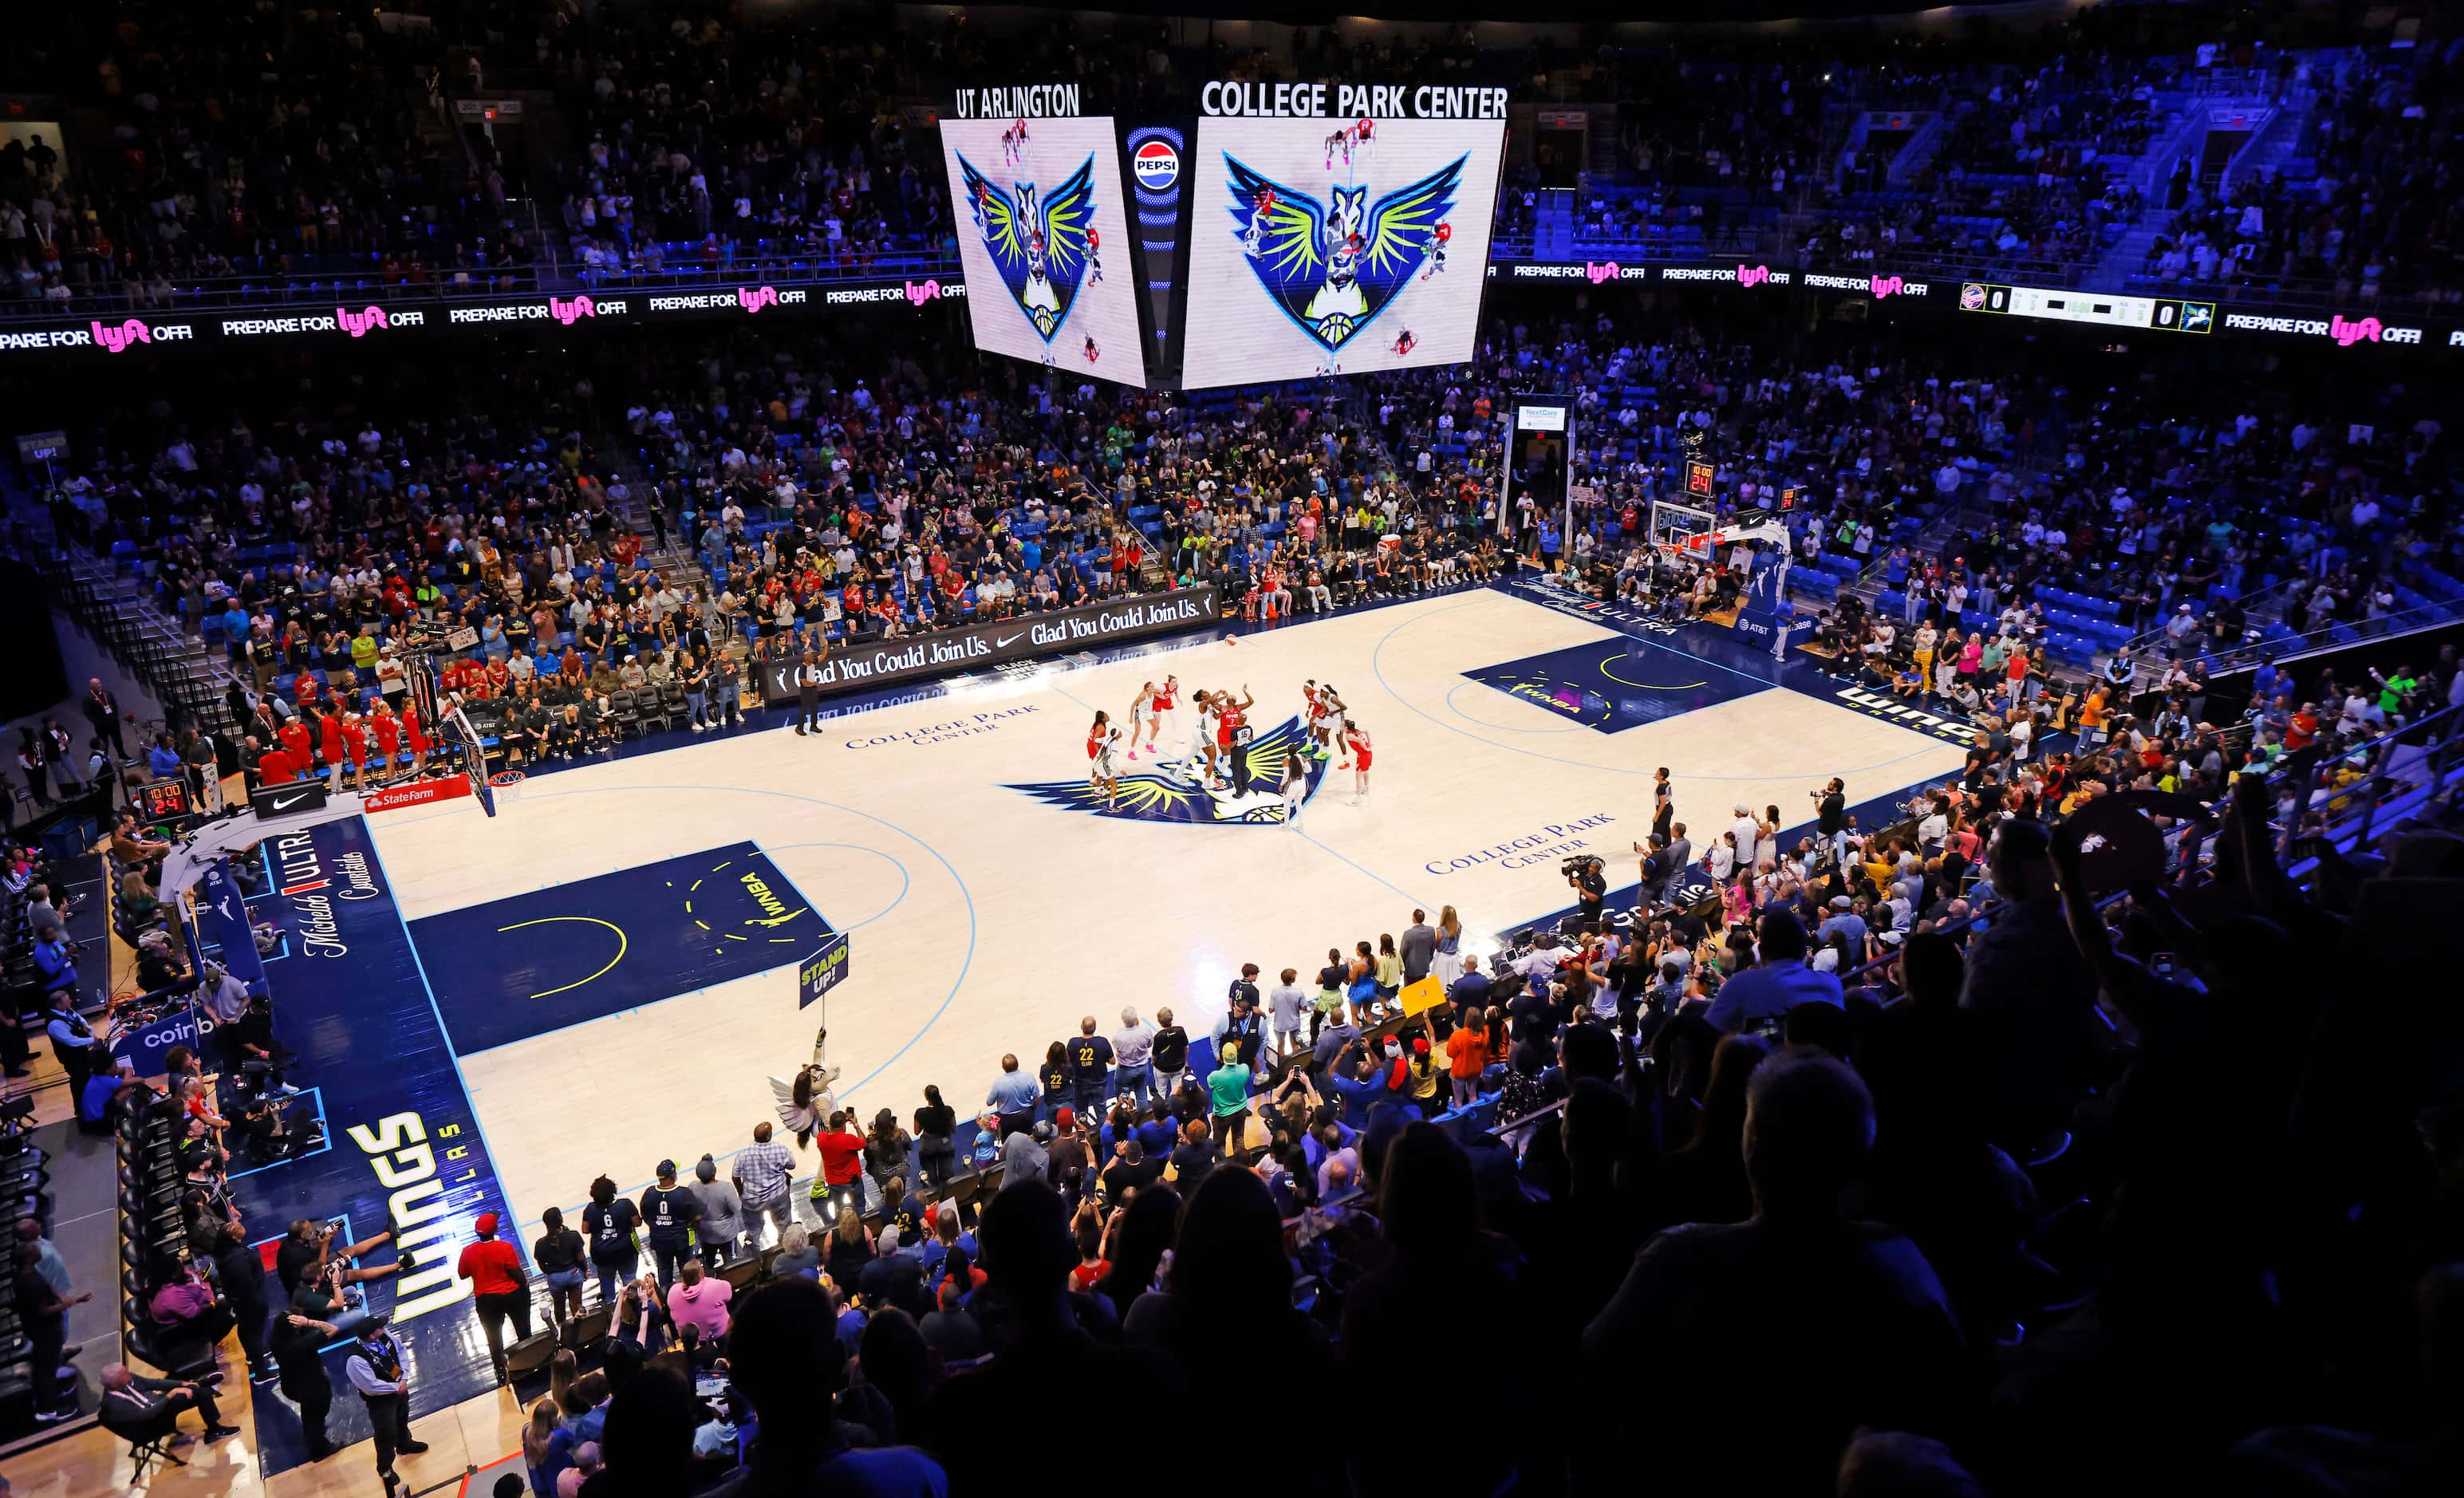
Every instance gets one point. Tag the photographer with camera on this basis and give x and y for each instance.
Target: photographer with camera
(315, 1269)
(1588, 878)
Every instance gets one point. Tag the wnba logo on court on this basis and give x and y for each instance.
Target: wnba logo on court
(761, 895)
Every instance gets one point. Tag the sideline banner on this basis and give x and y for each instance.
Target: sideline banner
(149, 1046)
(948, 651)
(418, 793)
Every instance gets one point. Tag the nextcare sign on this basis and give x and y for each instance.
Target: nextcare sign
(885, 662)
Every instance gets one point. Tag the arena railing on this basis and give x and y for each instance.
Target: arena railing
(2333, 636)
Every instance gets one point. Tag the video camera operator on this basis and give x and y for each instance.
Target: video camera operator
(1588, 878)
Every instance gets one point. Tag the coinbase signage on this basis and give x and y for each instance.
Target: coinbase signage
(149, 1046)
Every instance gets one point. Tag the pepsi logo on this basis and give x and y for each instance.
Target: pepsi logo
(1156, 165)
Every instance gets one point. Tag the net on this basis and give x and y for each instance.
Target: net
(474, 760)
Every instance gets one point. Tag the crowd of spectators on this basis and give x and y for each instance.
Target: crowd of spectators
(861, 498)
(248, 144)
(1629, 1148)
(272, 150)
(2359, 211)
(1344, 1208)
(1754, 131)
(2025, 171)
(794, 147)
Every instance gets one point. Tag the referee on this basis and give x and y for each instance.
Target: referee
(808, 693)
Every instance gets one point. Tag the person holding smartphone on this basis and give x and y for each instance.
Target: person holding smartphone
(1831, 816)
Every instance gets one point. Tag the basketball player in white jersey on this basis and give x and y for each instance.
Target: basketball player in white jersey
(1105, 773)
(1295, 787)
(1143, 708)
(1201, 751)
(1327, 726)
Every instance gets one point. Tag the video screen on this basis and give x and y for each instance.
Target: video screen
(1046, 244)
(1321, 247)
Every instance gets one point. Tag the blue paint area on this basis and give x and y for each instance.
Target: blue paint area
(1456, 691)
(1245, 788)
(357, 1008)
(1614, 685)
(1724, 650)
(966, 964)
(531, 963)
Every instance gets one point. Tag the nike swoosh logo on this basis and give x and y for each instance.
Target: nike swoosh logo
(285, 803)
(1006, 641)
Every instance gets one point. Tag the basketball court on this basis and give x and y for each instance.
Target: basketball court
(600, 928)
(603, 974)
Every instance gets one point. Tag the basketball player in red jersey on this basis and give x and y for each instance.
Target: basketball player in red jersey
(1355, 742)
(1095, 734)
(1232, 736)
(1160, 703)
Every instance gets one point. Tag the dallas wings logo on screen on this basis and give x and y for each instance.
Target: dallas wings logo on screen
(1042, 246)
(1178, 789)
(1333, 267)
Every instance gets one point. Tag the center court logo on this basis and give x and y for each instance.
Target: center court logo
(1177, 788)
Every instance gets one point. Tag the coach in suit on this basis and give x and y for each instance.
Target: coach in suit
(146, 1408)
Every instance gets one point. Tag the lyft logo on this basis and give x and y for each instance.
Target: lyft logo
(119, 338)
(1601, 273)
(2347, 334)
(753, 301)
(1886, 285)
(918, 295)
(571, 310)
(1752, 275)
(361, 323)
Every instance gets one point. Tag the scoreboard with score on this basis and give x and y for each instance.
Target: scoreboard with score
(2106, 309)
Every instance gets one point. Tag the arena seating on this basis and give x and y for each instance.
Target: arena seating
(2032, 169)
(2123, 1177)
